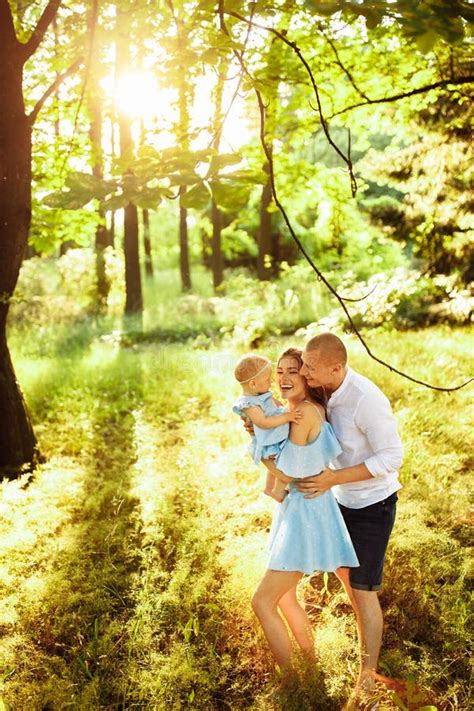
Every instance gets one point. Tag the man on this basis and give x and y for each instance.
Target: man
(365, 481)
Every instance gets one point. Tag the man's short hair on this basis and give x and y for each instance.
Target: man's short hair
(330, 346)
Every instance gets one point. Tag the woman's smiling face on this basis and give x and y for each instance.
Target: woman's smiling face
(291, 384)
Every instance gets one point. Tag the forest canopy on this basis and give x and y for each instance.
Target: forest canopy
(236, 137)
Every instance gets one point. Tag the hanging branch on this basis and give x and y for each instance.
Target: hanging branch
(220, 11)
(294, 47)
(41, 28)
(456, 81)
(92, 24)
(296, 239)
(321, 275)
(57, 82)
(342, 65)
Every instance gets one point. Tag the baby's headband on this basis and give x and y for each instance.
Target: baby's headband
(257, 373)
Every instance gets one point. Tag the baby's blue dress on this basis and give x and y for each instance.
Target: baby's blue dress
(309, 534)
(266, 442)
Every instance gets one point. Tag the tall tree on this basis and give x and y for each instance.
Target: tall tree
(133, 285)
(267, 250)
(147, 242)
(216, 215)
(18, 445)
(183, 141)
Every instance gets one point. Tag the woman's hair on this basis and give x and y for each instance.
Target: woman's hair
(316, 394)
(249, 366)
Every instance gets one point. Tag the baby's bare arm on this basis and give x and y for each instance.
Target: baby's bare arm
(266, 422)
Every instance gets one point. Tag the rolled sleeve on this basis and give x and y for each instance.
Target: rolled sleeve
(375, 418)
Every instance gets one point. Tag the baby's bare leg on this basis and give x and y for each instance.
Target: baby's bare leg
(269, 484)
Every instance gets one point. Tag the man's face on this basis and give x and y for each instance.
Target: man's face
(317, 370)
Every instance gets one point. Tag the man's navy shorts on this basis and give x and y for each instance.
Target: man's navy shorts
(369, 529)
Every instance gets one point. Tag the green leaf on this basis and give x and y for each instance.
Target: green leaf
(426, 41)
(116, 202)
(372, 19)
(70, 200)
(257, 177)
(223, 160)
(230, 196)
(148, 198)
(198, 197)
(211, 56)
(89, 184)
(324, 8)
(184, 179)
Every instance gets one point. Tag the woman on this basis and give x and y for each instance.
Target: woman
(306, 534)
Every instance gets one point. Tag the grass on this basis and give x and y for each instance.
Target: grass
(128, 563)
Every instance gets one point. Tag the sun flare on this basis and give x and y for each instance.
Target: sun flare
(138, 95)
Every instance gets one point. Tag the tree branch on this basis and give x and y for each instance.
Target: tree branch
(6, 23)
(39, 32)
(342, 66)
(320, 275)
(56, 83)
(294, 47)
(459, 81)
(91, 26)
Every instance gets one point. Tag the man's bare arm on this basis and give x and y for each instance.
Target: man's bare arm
(318, 484)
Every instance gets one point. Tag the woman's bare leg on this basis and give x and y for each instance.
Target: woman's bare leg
(273, 586)
(298, 622)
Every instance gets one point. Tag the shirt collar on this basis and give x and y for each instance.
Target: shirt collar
(337, 394)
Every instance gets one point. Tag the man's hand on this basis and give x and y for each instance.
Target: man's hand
(313, 486)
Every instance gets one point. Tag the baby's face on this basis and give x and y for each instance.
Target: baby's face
(263, 381)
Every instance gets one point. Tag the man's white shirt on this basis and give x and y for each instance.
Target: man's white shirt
(365, 426)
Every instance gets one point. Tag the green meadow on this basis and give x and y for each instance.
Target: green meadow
(127, 562)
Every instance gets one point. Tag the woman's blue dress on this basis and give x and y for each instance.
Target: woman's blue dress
(309, 534)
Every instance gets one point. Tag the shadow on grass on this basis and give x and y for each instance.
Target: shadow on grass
(73, 635)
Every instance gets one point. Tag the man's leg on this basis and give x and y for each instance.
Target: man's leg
(369, 621)
(370, 529)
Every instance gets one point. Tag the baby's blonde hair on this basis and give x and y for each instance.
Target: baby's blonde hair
(248, 366)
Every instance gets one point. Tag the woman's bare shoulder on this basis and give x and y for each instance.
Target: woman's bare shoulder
(312, 411)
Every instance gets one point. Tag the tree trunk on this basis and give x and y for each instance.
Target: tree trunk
(264, 258)
(133, 285)
(18, 446)
(111, 230)
(101, 237)
(217, 265)
(184, 247)
(147, 243)
(216, 216)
